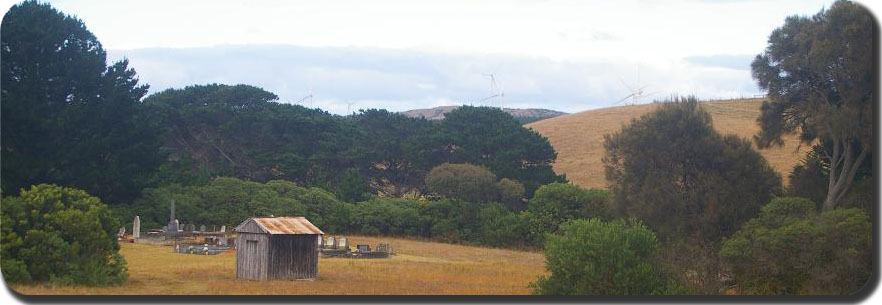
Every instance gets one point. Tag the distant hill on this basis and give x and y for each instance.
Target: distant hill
(523, 115)
(578, 137)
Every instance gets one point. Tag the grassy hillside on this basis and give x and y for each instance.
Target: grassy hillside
(419, 268)
(578, 137)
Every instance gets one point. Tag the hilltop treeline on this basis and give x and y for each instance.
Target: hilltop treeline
(241, 131)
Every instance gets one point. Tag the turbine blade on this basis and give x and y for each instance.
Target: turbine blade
(489, 97)
(626, 85)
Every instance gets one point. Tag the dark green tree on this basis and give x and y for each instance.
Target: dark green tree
(693, 186)
(67, 117)
(818, 72)
(241, 131)
(394, 150)
(671, 169)
(792, 249)
(594, 257)
(490, 137)
(352, 186)
(59, 235)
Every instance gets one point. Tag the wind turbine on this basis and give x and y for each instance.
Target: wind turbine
(308, 96)
(637, 92)
(496, 91)
(349, 107)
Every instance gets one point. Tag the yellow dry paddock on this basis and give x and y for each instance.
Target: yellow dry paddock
(419, 268)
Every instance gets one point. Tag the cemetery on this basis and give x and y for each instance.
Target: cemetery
(339, 247)
(266, 248)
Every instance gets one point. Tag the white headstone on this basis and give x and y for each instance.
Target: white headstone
(223, 229)
(136, 228)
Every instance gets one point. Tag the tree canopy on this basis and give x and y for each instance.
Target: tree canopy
(490, 137)
(462, 181)
(242, 131)
(65, 113)
(818, 73)
(593, 257)
(671, 169)
(791, 248)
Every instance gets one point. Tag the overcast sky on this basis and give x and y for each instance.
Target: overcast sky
(400, 55)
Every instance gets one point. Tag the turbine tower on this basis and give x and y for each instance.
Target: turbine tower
(496, 91)
(349, 107)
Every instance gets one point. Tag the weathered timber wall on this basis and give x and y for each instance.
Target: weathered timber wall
(293, 257)
(252, 256)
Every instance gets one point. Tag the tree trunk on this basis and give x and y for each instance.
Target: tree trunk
(843, 167)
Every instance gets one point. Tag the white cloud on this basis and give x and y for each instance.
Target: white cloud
(405, 79)
(565, 55)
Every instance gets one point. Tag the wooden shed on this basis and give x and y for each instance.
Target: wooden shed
(271, 248)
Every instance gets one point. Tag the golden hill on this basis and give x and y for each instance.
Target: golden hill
(578, 137)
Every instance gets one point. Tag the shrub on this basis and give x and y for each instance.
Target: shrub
(511, 193)
(59, 235)
(452, 220)
(792, 249)
(499, 226)
(462, 182)
(595, 257)
(389, 216)
(556, 203)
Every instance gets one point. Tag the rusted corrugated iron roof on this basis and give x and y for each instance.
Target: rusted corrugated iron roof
(285, 225)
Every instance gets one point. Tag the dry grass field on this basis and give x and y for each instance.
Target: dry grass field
(578, 137)
(419, 268)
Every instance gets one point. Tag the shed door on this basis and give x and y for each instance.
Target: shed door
(253, 262)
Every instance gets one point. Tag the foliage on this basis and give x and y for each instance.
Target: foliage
(511, 193)
(809, 180)
(670, 169)
(395, 217)
(594, 257)
(498, 226)
(352, 186)
(59, 235)
(65, 113)
(229, 201)
(556, 203)
(241, 131)
(462, 182)
(792, 249)
(394, 150)
(489, 137)
(818, 73)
